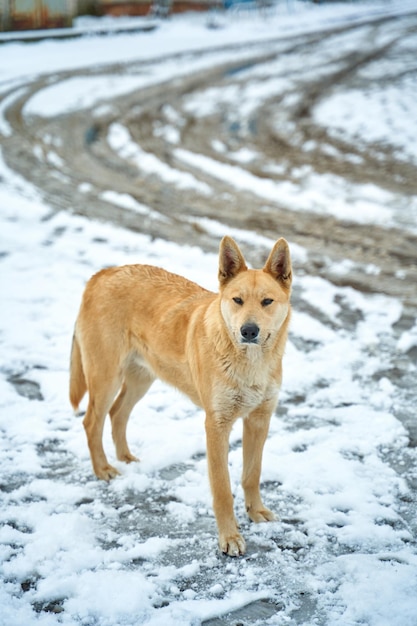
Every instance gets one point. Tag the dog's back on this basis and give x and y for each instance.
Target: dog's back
(134, 315)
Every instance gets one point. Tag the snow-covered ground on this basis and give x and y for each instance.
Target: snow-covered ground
(142, 550)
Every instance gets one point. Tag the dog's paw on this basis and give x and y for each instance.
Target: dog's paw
(107, 472)
(127, 457)
(232, 545)
(263, 515)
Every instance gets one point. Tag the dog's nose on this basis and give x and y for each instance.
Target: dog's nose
(249, 332)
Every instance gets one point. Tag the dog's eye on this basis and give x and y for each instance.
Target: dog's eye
(267, 301)
(238, 301)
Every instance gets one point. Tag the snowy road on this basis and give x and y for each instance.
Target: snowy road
(155, 145)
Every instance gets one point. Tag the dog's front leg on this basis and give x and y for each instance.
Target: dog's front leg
(255, 431)
(231, 541)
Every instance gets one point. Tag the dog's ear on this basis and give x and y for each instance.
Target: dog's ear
(278, 263)
(231, 260)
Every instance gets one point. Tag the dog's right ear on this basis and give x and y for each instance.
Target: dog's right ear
(231, 260)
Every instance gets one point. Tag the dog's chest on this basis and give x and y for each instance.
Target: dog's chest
(249, 397)
(241, 400)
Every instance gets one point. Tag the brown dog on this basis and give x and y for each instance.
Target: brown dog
(224, 351)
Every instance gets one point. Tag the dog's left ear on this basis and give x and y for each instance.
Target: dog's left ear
(279, 263)
(231, 260)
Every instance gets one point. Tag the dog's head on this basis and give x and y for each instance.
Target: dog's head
(254, 303)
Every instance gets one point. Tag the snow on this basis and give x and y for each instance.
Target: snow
(69, 541)
(79, 93)
(120, 141)
(408, 340)
(390, 124)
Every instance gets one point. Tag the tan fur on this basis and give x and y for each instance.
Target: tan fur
(138, 323)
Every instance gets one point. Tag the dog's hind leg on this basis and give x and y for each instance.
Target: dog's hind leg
(136, 383)
(100, 399)
(255, 431)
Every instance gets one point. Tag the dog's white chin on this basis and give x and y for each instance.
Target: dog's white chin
(250, 346)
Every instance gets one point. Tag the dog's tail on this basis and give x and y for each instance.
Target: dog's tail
(78, 385)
